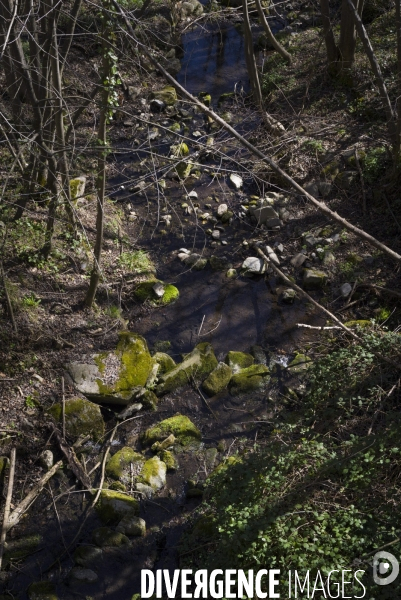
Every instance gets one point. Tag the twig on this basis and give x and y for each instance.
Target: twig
(211, 330)
(63, 405)
(381, 289)
(201, 325)
(203, 397)
(9, 305)
(73, 461)
(315, 327)
(351, 294)
(295, 287)
(6, 516)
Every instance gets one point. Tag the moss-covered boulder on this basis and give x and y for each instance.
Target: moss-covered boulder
(145, 292)
(165, 362)
(132, 526)
(150, 400)
(184, 169)
(358, 323)
(82, 417)
(119, 465)
(105, 536)
(239, 360)
(77, 187)
(85, 556)
(198, 363)
(300, 363)
(82, 575)
(168, 95)
(114, 506)
(314, 279)
(218, 379)
(42, 590)
(111, 377)
(180, 426)
(250, 379)
(153, 473)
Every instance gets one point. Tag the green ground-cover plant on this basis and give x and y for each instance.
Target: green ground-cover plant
(322, 493)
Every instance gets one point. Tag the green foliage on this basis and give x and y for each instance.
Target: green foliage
(375, 164)
(313, 146)
(137, 261)
(327, 496)
(30, 301)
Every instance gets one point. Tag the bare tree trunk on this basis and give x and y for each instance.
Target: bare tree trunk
(329, 39)
(397, 145)
(347, 42)
(250, 58)
(269, 34)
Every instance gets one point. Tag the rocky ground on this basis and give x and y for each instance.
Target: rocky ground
(193, 344)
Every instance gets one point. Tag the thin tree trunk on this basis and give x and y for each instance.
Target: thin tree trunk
(250, 58)
(397, 144)
(347, 42)
(329, 39)
(391, 120)
(269, 34)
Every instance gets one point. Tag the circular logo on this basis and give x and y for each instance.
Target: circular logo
(385, 568)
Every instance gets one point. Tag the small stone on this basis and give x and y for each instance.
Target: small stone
(314, 279)
(324, 188)
(193, 195)
(288, 296)
(298, 260)
(345, 290)
(221, 210)
(254, 265)
(312, 188)
(197, 134)
(272, 255)
(157, 105)
(329, 259)
(279, 247)
(132, 526)
(236, 180)
(184, 251)
(47, 459)
(216, 234)
(159, 289)
(231, 273)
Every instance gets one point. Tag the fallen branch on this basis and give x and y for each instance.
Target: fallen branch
(72, 459)
(6, 516)
(381, 289)
(341, 325)
(319, 328)
(203, 397)
(274, 166)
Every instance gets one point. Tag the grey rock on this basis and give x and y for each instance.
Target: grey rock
(254, 265)
(216, 234)
(288, 296)
(298, 260)
(312, 188)
(272, 255)
(236, 180)
(132, 526)
(279, 247)
(324, 188)
(145, 490)
(47, 459)
(345, 290)
(259, 354)
(314, 279)
(263, 214)
(221, 210)
(329, 259)
(86, 555)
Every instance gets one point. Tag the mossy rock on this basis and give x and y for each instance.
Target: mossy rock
(112, 376)
(358, 323)
(114, 506)
(169, 460)
(132, 526)
(117, 486)
(42, 590)
(175, 127)
(206, 98)
(82, 418)
(239, 360)
(180, 426)
(77, 187)
(85, 556)
(300, 363)
(118, 467)
(165, 361)
(218, 379)
(105, 536)
(198, 363)
(150, 400)
(179, 150)
(21, 548)
(250, 379)
(145, 291)
(153, 473)
(168, 95)
(314, 279)
(183, 169)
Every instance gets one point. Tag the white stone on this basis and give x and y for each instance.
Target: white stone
(222, 209)
(216, 234)
(158, 289)
(236, 180)
(252, 264)
(272, 255)
(345, 289)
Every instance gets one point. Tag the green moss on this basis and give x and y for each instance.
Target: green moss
(21, 548)
(169, 460)
(206, 98)
(358, 323)
(81, 418)
(75, 185)
(136, 364)
(105, 536)
(168, 95)
(165, 361)
(87, 555)
(300, 363)
(145, 291)
(183, 169)
(331, 170)
(239, 360)
(175, 127)
(153, 473)
(249, 379)
(42, 590)
(118, 465)
(180, 426)
(113, 506)
(198, 363)
(179, 150)
(150, 400)
(218, 379)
